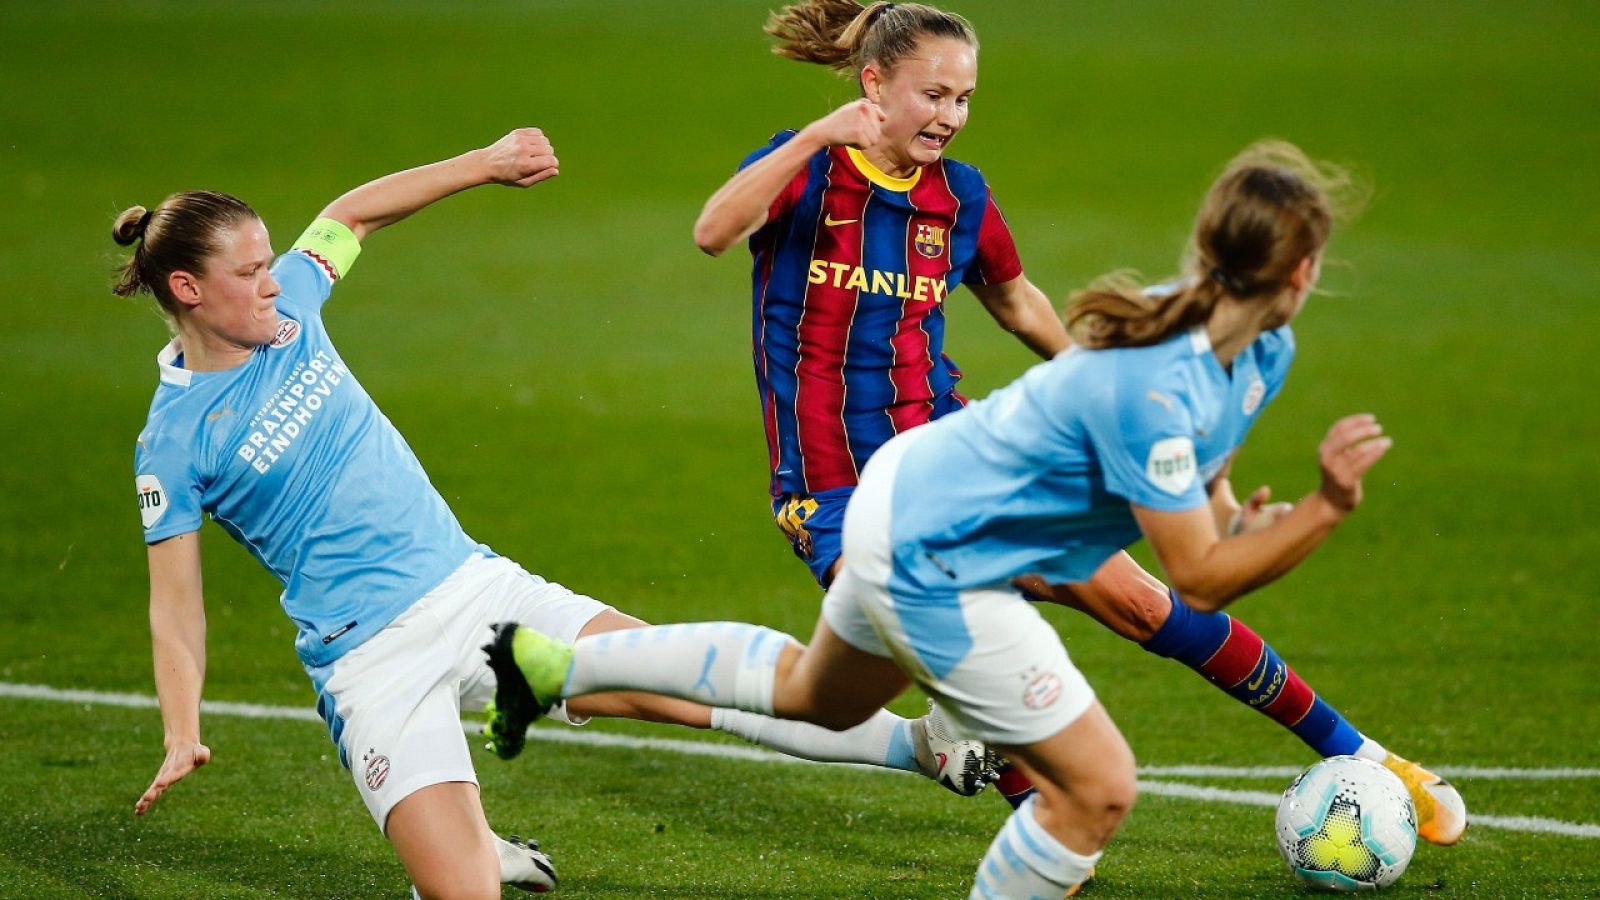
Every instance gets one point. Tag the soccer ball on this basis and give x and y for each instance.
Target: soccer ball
(1347, 824)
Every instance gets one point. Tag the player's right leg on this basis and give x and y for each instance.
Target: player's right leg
(442, 839)
(393, 709)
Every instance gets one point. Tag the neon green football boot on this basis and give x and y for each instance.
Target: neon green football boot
(529, 670)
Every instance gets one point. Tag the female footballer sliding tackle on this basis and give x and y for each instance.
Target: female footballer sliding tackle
(258, 422)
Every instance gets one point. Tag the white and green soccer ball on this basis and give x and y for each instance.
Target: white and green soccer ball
(1347, 824)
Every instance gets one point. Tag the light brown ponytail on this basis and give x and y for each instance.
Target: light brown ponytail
(845, 36)
(1269, 210)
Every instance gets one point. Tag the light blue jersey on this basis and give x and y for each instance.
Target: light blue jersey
(289, 454)
(1038, 477)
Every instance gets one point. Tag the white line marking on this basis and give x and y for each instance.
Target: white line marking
(1531, 824)
(1487, 772)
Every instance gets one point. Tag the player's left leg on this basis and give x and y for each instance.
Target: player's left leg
(729, 664)
(1050, 845)
(924, 745)
(884, 739)
(1228, 653)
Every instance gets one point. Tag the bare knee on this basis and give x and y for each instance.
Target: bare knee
(1142, 607)
(1092, 808)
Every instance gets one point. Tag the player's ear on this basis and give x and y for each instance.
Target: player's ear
(185, 288)
(872, 82)
(1304, 276)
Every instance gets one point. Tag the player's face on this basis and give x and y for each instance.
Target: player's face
(924, 99)
(237, 292)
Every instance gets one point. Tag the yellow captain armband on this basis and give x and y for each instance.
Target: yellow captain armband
(331, 243)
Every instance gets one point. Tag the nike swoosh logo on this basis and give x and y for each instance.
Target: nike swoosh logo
(830, 221)
(1256, 684)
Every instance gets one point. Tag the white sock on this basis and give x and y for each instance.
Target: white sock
(729, 664)
(883, 740)
(1024, 860)
(1371, 750)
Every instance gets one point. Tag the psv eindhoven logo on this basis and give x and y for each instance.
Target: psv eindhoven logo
(929, 240)
(288, 332)
(1253, 395)
(1042, 690)
(377, 770)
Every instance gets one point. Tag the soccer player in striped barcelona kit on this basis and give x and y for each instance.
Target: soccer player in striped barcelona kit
(1052, 474)
(860, 228)
(258, 422)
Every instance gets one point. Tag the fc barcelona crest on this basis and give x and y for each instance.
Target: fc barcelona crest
(929, 240)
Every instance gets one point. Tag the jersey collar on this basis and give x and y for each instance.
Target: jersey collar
(879, 177)
(171, 373)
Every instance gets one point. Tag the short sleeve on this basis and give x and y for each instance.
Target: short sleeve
(322, 255)
(996, 261)
(793, 191)
(168, 488)
(1144, 437)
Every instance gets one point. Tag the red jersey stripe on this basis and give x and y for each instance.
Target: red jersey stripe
(824, 330)
(927, 249)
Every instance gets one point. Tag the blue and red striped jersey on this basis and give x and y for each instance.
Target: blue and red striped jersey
(851, 272)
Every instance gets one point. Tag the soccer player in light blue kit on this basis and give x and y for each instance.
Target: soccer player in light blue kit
(258, 422)
(1051, 475)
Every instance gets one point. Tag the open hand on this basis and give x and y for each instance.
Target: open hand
(182, 758)
(1352, 446)
(522, 158)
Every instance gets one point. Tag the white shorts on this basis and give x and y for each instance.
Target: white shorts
(397, 698)
(1011, 681)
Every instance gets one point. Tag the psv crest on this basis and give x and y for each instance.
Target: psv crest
(929, 240)
(288, 331)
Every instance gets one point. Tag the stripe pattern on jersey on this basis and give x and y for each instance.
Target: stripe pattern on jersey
(849, 283)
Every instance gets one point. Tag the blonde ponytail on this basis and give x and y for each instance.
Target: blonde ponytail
(846, 36)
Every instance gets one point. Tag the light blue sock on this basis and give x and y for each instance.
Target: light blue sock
(1024, 860)
(727, 664)
(884, 740)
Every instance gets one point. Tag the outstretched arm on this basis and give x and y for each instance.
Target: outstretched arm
(1022, 309)
(178, 643)
(1210, 572)
(521, 159)
(740, 206)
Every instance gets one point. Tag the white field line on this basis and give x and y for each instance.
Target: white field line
(1531, 824)
(1262, 798)
(1490, 772)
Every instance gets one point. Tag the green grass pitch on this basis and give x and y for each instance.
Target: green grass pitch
(576, 379)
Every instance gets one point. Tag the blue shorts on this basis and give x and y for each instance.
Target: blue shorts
(814, 525)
